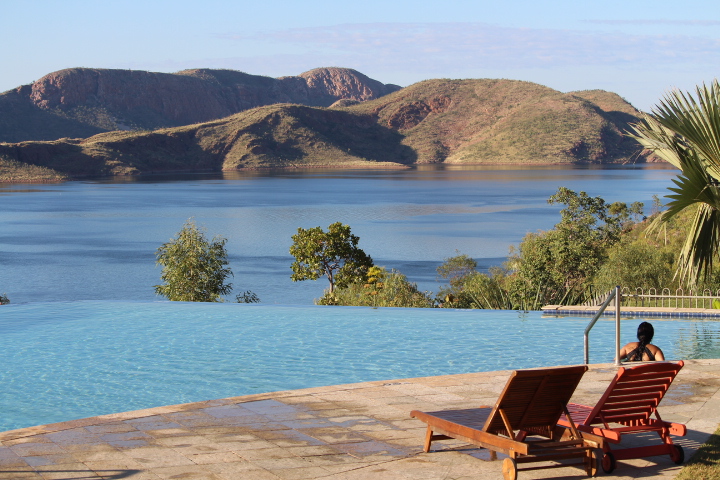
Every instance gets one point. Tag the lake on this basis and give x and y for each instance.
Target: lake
(96, 239)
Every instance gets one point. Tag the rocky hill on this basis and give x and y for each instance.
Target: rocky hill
(506, 121)
(275, 136)
(81, 102)
(435, 121)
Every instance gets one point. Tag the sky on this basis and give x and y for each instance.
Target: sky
(636, 48)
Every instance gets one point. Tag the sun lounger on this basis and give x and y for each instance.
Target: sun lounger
(523, 422)
(626, 407)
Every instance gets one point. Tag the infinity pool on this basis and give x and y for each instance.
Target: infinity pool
(68, 360)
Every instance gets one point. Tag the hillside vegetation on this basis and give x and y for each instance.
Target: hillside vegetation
(277, 136)
(506, 121)
(435, 121)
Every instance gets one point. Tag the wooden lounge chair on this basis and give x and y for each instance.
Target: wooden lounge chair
(626, 407)
(523, 422)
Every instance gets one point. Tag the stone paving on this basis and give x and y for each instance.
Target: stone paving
(354, 432)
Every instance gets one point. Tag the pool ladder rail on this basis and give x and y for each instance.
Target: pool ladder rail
(616, 295)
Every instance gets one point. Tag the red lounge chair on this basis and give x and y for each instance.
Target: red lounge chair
(529, 406)
(626, 407)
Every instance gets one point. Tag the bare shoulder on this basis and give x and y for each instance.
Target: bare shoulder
(656, 351)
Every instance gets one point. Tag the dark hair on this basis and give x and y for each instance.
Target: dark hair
(645, 333)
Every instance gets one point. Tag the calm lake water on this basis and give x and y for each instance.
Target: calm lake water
(96, 239)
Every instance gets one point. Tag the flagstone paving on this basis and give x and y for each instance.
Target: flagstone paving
(354, 432)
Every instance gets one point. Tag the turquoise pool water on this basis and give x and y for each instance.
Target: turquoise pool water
(67, 360)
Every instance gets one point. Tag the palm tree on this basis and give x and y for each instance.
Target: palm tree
(685, 131)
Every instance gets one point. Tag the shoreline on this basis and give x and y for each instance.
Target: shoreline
(316, 167)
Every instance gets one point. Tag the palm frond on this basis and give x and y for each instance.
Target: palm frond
(685, 131)
(697, 122)
(701, 244)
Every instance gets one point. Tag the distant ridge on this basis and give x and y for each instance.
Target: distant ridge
(481, 121)
(81, 102)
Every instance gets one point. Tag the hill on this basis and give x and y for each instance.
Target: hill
(81, 102)
(506, 121)
(275, 136)
(435, 121)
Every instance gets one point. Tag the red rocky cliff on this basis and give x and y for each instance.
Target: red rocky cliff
(101, 99)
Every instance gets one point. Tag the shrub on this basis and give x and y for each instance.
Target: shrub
(194, 269)
(382, 289)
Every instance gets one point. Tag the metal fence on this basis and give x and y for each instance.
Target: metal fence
(679, 298)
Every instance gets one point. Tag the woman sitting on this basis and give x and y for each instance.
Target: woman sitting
(642, 350)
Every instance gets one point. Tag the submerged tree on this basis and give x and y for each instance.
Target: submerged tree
(685, 131)
(247, 297)
(333, 254)
(194, 269)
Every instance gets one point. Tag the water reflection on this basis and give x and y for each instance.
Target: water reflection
(413, 173)
(700, 339)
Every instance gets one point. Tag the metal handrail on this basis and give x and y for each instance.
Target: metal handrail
(615, 294)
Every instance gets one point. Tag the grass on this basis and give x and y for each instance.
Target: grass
(12, 171)
(705, 464)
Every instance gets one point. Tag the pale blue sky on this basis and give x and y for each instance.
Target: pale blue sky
(639, 49)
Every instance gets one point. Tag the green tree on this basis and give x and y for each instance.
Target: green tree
(194, 269)
(636, 264)
(456, 270)
(556, 266)
(333, 254)
(549, 267)
(382, 288)
(647, 259)
(685, 131)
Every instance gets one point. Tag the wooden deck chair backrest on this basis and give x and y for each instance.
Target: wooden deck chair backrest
(634, 393)
(533, 400)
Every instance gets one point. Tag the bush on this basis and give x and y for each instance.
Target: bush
(194, 269)
(637, 265)
(478, 290)
(382, 289)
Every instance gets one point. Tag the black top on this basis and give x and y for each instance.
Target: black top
(637, 354)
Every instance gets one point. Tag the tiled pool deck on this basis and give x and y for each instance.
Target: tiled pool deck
(354, 432)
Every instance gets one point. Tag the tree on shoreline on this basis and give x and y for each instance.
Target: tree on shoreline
(333, 254)
(556, 266)
(194, 269)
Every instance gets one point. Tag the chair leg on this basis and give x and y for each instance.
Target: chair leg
(428, 439)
